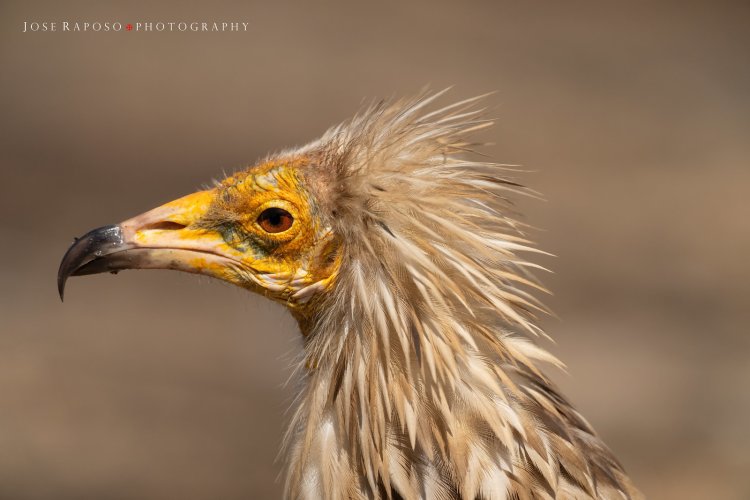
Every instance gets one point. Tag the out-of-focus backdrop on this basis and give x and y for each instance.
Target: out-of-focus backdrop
(634, 117)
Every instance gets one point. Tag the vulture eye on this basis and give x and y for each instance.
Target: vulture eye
(275, 220)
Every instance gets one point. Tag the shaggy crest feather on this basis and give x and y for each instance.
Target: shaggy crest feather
(419, 376)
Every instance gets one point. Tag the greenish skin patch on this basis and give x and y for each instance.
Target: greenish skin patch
(243, 241)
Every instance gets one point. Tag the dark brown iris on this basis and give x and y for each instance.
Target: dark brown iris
(275, 220)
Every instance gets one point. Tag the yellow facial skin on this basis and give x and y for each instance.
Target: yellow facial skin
(218, 233)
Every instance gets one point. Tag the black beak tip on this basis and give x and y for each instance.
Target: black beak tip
(61, 279)
(63, 272)
(93, 245)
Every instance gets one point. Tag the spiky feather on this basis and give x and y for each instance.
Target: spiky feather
(420, 378)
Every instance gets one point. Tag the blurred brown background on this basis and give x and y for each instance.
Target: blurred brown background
(158, 385)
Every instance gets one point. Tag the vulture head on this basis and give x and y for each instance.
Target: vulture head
(264, 229)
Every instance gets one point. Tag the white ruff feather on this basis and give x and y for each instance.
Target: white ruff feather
(419, 375)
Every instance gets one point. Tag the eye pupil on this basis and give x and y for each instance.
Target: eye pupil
(275, 220)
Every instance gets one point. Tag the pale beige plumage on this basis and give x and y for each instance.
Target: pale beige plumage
(419, 378)
(399, 254)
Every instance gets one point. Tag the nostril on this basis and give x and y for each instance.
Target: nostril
(166, 225)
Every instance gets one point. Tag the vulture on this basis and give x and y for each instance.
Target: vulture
(398, 250)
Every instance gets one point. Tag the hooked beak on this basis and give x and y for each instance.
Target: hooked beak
(163, 238)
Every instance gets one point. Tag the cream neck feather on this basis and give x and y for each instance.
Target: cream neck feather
(419, 375)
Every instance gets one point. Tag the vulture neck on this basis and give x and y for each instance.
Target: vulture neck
(423, 407)
(437, 408)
